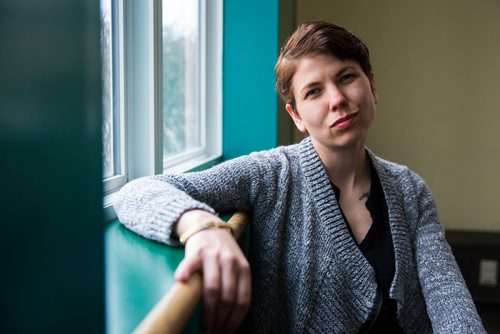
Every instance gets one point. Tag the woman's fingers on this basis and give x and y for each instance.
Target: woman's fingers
(229, 282)
(226, 278)
(211, 289)
(187, 267)
(243, 299)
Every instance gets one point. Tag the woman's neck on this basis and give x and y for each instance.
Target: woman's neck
(348, 168)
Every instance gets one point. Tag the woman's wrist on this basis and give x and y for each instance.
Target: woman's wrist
(205, 226)
(192, 219)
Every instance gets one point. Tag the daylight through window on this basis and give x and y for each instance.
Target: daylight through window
(182, 114)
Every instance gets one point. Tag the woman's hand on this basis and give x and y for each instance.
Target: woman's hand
(226, 273)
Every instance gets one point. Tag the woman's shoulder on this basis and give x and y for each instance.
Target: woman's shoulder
(290, 149)
(278, 161)
(382, 164)
(398, 173)
(281, 155)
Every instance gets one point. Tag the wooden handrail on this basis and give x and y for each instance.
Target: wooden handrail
(173, 311)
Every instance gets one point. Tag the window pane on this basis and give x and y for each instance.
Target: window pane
(107, 89)
(181, 77)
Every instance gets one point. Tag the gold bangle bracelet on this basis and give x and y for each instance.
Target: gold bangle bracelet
(190, 232)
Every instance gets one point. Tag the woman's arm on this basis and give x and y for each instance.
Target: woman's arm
(151, 206)
(449, 303)
(163, 207)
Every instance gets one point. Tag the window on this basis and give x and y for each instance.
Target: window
(162, 87)
(181, 77)
(189, 49)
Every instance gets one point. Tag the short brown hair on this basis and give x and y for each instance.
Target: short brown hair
(314, 38)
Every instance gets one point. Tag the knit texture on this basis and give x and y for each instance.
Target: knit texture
(308, 273)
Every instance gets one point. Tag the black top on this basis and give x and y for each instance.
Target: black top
(378, 249)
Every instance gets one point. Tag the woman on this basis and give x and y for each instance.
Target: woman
(342, 241)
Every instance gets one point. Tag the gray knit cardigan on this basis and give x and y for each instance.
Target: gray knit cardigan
(308, 273)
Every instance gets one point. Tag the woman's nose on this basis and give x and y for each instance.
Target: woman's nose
(337, 99)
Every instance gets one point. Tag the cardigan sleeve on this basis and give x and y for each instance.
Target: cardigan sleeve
(151, 206)
(449, 303)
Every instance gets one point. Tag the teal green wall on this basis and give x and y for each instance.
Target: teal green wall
(249, 97)
(51, 230)
(51, 240)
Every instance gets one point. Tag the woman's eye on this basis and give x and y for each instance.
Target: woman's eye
(312, 92)
(347, 77)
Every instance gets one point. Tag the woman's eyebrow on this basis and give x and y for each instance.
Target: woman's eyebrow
(345, 69)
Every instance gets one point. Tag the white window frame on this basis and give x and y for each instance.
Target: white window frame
(140, 89)
(115, 182)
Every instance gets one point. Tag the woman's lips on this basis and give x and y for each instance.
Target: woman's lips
(345, 122)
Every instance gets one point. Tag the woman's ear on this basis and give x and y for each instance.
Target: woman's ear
(374, 93)
(373, 87)
(296, 118)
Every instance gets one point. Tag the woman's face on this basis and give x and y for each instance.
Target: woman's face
(335, 101)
